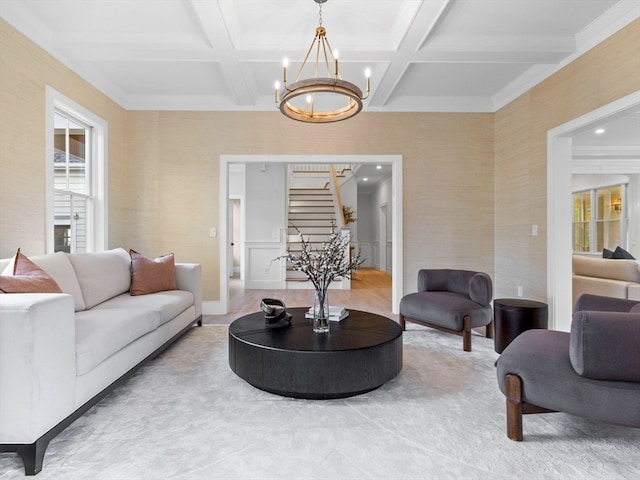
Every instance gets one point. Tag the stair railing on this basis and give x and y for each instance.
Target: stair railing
(336, 194)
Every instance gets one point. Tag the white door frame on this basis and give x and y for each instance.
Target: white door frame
(559, 208)
(382, 236)
(222, 306)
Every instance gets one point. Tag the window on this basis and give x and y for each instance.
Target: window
(599, 219)
(76, 181)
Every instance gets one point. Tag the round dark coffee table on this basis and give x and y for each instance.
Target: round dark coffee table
(360, 353)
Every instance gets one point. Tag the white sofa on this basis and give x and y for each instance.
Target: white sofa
(617, 278)
(62, 353)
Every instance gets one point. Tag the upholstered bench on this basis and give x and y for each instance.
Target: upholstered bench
(594, 371)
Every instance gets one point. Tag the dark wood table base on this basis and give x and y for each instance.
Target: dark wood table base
(359, 354)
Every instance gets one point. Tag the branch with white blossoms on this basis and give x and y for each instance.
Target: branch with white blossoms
(326, 264)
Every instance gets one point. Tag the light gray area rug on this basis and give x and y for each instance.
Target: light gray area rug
(186, 415)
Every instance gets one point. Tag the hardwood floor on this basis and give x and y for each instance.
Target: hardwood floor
(370, 291)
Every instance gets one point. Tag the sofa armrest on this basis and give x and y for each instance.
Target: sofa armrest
(37, 364)
(589, 302)
(604, 345)
(189, 278)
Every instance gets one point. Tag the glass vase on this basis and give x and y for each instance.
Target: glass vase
(321, 312)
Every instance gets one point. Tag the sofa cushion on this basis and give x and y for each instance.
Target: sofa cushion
(445, 309)
(604, 345)
(27, 277)
(167, 305)
(151, 276)
(623, 269)
(102, 275)
(58, 267)
(103, 332)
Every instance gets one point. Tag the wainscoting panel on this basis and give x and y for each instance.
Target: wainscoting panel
(262, 271)
(366, 252)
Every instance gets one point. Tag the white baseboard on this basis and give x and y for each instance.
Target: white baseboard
(212, 308)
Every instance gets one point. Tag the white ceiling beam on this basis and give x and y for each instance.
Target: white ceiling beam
(211, 23)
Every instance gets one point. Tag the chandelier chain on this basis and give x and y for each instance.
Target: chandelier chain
(320, 14)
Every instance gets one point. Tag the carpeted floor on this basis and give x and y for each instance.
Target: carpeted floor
(186, 415)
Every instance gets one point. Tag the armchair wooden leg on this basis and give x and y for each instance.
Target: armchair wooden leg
(403, 324)
(466, 333)
(514, 407)
(489, 330)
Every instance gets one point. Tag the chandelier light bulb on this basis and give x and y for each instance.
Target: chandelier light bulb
(277, 87)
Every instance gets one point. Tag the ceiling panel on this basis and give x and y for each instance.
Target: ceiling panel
(426, 55)
(156, 78)
(458, 79)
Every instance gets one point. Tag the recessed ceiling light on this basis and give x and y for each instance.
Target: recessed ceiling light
(599, 131)
(365, 179)
(379, 167)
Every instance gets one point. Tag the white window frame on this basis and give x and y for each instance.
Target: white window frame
(97, 226)
(593, 222)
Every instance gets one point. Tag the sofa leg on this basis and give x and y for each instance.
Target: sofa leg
(466, 333)
(33, 456)
(514, 407)
(489, 329)
(403, 324)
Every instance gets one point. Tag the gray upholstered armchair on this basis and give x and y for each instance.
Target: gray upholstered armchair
(453, 301)
(593, 371)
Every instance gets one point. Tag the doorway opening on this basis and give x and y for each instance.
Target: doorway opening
(395, 161)
(560, 207)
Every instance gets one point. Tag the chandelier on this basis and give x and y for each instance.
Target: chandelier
(320, 99)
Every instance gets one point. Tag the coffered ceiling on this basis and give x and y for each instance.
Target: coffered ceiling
(425, 55)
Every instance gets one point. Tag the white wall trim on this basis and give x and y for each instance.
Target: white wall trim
(559, 208)
(396, 169)
(213, 308)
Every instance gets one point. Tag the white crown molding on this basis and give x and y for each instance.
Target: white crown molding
(605, 166)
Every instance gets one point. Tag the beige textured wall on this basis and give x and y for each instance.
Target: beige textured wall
(25, 71)
(448, 178)
(606, 73)
(163, 166)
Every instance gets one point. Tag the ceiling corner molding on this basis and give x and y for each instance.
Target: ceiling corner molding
(612, 21)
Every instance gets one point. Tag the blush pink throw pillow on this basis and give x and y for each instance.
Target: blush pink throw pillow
(151, 276)
(27, 278)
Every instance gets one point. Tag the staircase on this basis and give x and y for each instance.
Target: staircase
(312, 213)
(314, 207)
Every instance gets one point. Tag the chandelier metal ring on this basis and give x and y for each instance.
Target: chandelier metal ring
(321, 85)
